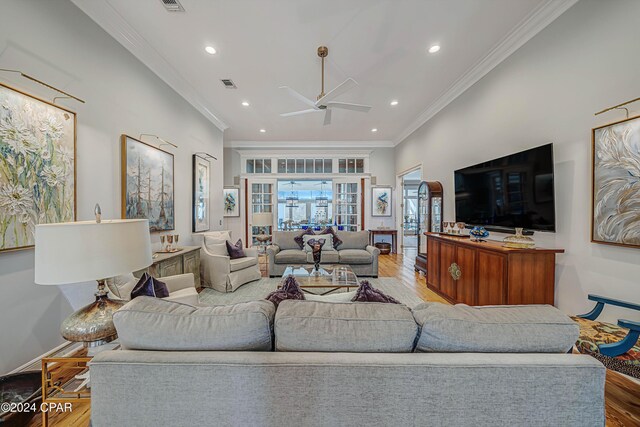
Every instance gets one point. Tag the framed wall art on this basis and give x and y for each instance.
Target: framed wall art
(615, 214)
(147, 184)
(231, 198)
(37, 166)
(200, 202)
(381, 201)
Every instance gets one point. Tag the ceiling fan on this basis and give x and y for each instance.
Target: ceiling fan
(325, 102)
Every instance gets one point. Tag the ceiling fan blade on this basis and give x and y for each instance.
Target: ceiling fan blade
(337, 91)
(349, 106)
(299, 97)
(297, 113)
(327, 116)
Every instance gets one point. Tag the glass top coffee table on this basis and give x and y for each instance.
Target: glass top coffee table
(328, 279)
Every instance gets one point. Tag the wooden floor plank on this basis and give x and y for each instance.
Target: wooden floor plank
(622, 395)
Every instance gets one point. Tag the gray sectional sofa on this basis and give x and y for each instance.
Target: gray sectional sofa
(354, 251)
(314, 363)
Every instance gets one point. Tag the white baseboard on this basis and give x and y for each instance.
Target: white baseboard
(54, 350)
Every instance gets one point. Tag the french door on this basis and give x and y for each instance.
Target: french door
(347, 197)
(261, 198)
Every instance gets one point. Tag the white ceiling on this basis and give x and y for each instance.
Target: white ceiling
(263, 44)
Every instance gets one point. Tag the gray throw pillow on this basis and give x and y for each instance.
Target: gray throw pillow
(336, 240)
(300, 238)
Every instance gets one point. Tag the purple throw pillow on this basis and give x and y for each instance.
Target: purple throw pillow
(300, 238)
(150, 287)
(336, 240)
(289, 290)
(235, 251)
(367, 293)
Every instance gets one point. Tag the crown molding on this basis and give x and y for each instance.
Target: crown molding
(532, 24)
(297, 145)
(103, 13)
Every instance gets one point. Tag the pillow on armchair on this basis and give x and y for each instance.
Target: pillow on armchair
(122, 285)
(235, 250)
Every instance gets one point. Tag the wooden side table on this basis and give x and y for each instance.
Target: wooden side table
(385, 232)
(61, 390)
(66, 390)
(263, 262)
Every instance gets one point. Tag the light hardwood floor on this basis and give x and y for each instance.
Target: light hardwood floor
(622, 394)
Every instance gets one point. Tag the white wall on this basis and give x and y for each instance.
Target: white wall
(381, 166)
(232, 171)
(548, 91)
(56, 42)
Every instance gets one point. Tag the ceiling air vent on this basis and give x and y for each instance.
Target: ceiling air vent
(172, 5)
(229, 84)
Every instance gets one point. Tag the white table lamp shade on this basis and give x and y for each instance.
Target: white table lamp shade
(262, 219)
(83, 251)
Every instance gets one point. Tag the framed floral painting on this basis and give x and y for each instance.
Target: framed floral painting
(37, 166)
(231, 198)
(616, 183)
(147, 184)
(200, 206)
(381, 201)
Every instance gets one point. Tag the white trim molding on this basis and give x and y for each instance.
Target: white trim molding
(103, 13)
(297, 145)
(532, 24)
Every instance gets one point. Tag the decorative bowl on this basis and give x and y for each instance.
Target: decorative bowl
(478, 233)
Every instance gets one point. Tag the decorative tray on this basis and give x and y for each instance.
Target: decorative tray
(172, 251)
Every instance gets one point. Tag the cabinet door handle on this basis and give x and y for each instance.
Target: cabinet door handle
(454, 270)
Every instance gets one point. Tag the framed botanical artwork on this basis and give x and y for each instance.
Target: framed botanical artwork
(231, 199)
(37, 166)
(147, 184)
(615, 213)
(381, 201)
(200, 202)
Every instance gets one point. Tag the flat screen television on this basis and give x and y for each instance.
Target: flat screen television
(509, 192)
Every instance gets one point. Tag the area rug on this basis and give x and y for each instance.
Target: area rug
(261, 288)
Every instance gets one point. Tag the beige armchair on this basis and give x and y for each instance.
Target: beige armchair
(220, 272)
(181, 287)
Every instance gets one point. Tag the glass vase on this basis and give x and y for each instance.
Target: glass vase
(519, 241)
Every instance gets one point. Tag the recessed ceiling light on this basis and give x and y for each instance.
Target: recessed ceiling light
(263, 130)
(374, 130)
(245, 103)
(394, 103)
(210, 50)
(434, 48)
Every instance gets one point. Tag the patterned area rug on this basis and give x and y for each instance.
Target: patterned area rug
(260, 289)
